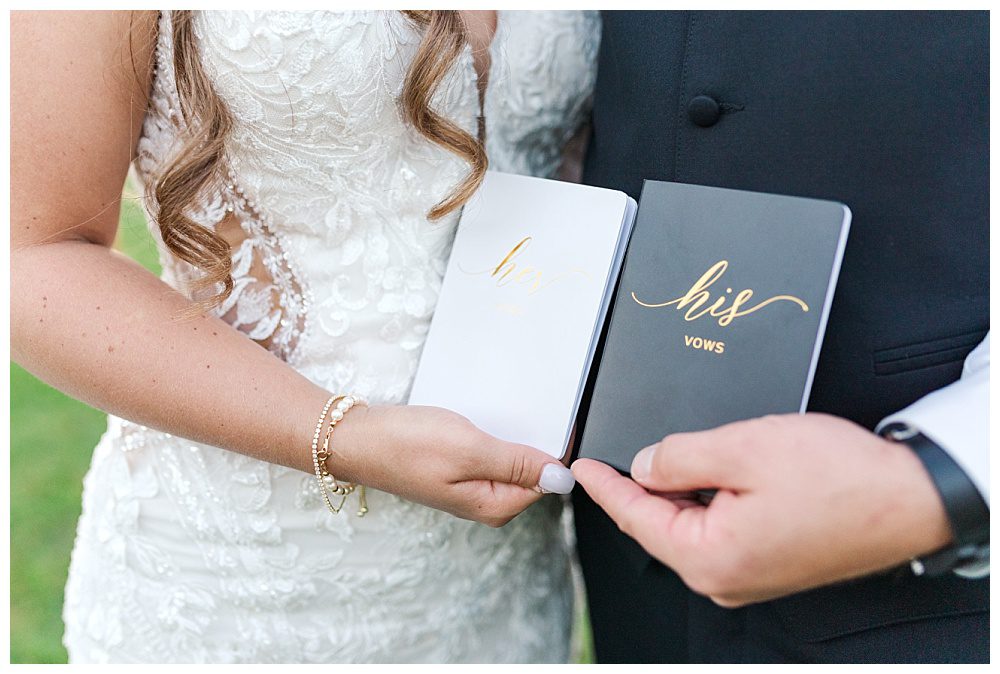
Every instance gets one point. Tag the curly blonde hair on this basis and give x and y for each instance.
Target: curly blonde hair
(202, 161)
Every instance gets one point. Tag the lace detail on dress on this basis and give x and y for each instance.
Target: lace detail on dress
(269, 301)
(273, 308)
(523, 136)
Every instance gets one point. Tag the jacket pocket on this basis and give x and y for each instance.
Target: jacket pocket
(941, 351)
(879, 601)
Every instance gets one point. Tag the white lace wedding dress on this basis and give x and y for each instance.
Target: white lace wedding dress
(189, 553)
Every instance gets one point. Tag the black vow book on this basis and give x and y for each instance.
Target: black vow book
(719, 314)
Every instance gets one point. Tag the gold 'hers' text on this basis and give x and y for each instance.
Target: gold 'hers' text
(696, 301)
(511, 270)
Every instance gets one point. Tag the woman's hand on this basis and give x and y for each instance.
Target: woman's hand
(440, 459)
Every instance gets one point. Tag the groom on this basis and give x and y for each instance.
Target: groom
(860, 534)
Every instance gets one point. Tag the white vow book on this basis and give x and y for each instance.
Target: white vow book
(521, 308)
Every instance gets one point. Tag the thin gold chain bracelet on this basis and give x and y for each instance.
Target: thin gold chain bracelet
(328, 484)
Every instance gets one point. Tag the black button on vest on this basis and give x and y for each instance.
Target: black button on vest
(704, 110)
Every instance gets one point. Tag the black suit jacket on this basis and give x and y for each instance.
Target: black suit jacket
(888, 113)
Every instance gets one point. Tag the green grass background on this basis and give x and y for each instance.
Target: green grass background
(52, 437)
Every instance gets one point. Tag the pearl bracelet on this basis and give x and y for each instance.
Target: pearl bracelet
(328, 484)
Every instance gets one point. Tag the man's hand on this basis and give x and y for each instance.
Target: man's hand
(803, 501)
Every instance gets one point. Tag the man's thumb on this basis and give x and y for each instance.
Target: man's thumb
(687, 461)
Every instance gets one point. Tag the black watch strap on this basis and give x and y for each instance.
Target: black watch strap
(967, 512)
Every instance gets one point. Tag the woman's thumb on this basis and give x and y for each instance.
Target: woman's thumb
(530, 468)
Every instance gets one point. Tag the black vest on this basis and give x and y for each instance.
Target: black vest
(888, 113)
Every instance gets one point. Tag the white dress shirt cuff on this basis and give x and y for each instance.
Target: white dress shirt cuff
(956, 418)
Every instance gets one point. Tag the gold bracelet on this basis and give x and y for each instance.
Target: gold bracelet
(319, 424)
(327, 482)
(315, 441)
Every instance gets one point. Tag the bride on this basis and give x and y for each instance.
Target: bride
(304, 173)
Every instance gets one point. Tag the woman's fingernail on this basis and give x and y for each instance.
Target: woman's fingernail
(642, 464)
(556, 479)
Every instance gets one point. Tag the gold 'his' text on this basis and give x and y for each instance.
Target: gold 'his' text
(695, 299)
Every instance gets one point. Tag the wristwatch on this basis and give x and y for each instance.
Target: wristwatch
(967, 512)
